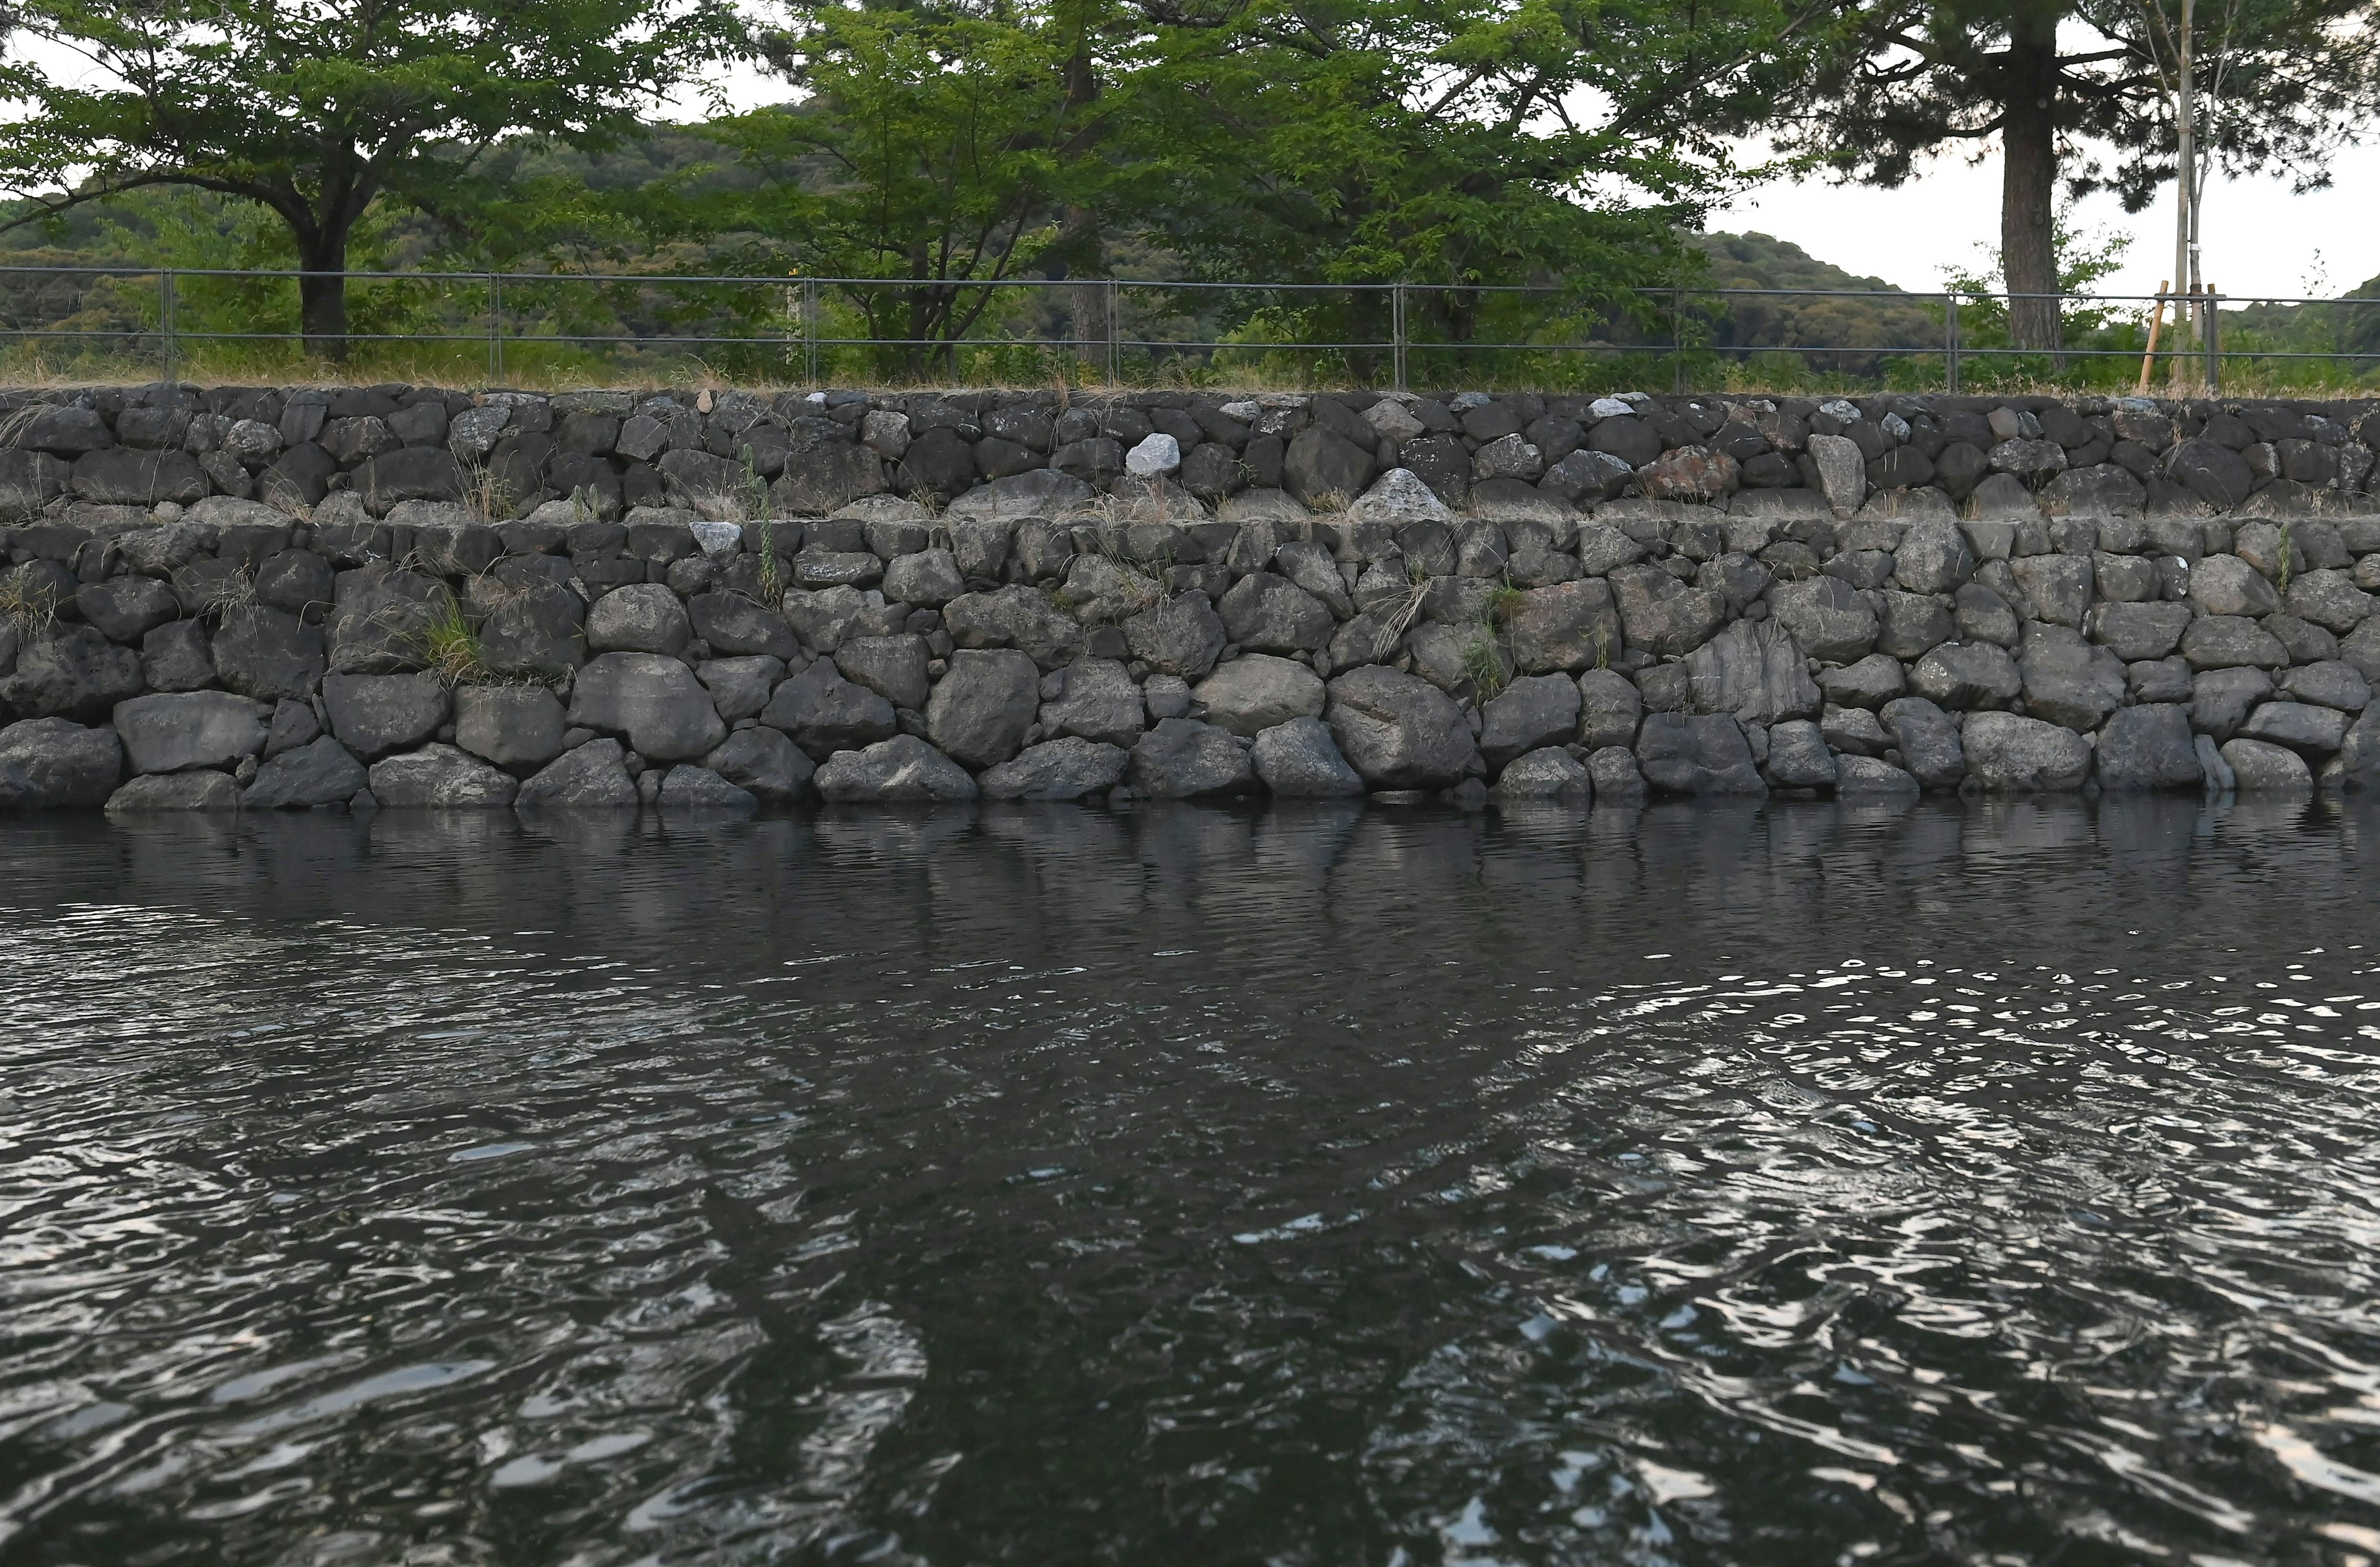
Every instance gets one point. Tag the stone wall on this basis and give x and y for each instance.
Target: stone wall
(393, 596)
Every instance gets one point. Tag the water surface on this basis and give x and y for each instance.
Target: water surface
(1964, 1185)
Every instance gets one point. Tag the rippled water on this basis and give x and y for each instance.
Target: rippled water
(1970, 1185)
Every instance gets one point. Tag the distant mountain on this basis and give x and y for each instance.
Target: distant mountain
(1874, 315)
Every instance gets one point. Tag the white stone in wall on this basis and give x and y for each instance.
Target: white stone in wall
(1399, 497)
(1156, 456)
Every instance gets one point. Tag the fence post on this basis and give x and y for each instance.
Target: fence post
(2214, 345)
(496, 323)
(491, 328)
(1116, 368)
(1396, 329)
(1950, 343)
(1677, 340)
(809, 331)
(165, 302)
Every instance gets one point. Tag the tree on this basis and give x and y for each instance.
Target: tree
(318, 109)
(2062, 83)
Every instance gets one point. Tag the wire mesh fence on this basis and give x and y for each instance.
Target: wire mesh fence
(60, 322)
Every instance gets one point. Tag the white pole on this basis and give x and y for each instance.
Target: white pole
(2185, 231)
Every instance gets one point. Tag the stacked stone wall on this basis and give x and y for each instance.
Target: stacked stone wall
(247, 598)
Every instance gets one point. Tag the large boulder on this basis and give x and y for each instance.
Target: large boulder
(1017, 617)
(2305, 728)
(1567, 626)
(2260, 767)
(1532, 712)
(2224, 584)
(1829, 619)
(518, 727)
(1182, 758)
(1661, 613)
(1549, 774)
(2134, 631)
(2227, 641)
(643, 617)
(1094, 699)
(655, 702)
(892, 667)
(1798, 757)
(534, 630)
(825, 713)
(1928, 741)
(440, 776)
(1960, 675)
(1057, 769)
(592, 777)
(1690, 754)
(1182, 637)
(120, 476)
(980, 709)
(1299, 760)
(2067, 681)
(2008, 754)
(1264, 613)
(1400, 732)
(384, 620)
(2148, 747)
(2220, 700)
(1933, 557)
(739, 687)
(123, 608)
(318, 773)
(71, 672)
(1609, 707)
(734, 625)
(198, 728)
(1324, 469)
(1752, 670)
(1252, 694)
(763, 763)
(266, 654)
(51, 764)
(174, 794)
(901, 770)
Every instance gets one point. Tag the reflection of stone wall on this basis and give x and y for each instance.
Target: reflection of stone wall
(418, 598)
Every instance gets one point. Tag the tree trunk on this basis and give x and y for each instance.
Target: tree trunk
(2029, 189)
(323, 295)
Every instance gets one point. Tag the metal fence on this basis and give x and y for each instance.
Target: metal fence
(1118, 330)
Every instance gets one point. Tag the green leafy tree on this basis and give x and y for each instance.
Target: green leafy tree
(319, 109)
(2063, 85)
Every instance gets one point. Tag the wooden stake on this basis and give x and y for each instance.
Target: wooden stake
(2148, 356)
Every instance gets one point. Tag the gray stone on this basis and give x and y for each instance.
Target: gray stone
(2328, 599)
(1829, 619)
(1042, 492)
(739, 687)
(763, 763)
(2067, 681)
(1933, 557)
(2220, 700)
(1871, 683)
(1568, 626)
(2331, 682)
(1658, 611)
(901, 770)
(2303, 728)
(120, 476)
(2148, 747)
(592, 777)
(1325, 470)
(518, 727)
(1532, 712)
(293, 724)
(1180, 758)
(534, 630)
(2224, 584)
(2057, 586)
(1981, 614)
(51, 764)
(1867, 778)
(1608, 708)
(1182, 637)
(1299, 760)
(824, 618)
(1267, 614)
(174, 658)
(2222, 642)
(318, 773)
(731, 623)
(1100, 588)
(1096, 700)
(1688, 753)
(655, 702)
(892, 667)
(173, 793)
(198, 729)
(1908, 625)
(1603, 550)
(980, 710)
(1617, 780)
(123, 608)
(71, 672)
(1798, 757)
(930, 578)
(1018, 617)
(2010, 754)
(1308, 564)
(1842, 472)
(2259, 767)
(824, 713)
(372, 715)
(382, 620)
(1854, 730)
(1752, 670)
(2159, 680)
(1256, 692)
(2305, 642)
(2359, 753)
(1168, 696)
(266, 654)
(2133, 631)
(639, 618)
(1399, 497)
(1928, 739)
(1548, 774)
(1962, 675)
(690, 789)
(1399, 731)
(1057, 769)
(440, 776)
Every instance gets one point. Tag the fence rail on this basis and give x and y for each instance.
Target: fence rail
(1116, 328)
